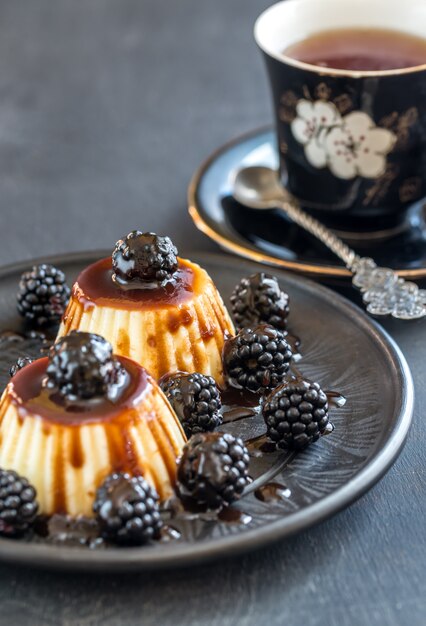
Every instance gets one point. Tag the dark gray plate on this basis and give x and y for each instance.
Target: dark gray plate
(342, 349)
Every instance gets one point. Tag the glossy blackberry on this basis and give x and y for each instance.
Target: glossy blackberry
(20, 364)
(81, 367)
(43, 295)
(257, 358)
(213, 470)
(296, 414)
(127, 510)
(143, 257)
(18, 503)
(196, 401)
(258, 299)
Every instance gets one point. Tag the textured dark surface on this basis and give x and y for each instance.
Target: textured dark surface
(106, 107)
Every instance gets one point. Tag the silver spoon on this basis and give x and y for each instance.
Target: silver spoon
(383, 292)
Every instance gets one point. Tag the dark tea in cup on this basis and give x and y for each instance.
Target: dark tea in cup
(348, 80)
(363, 49)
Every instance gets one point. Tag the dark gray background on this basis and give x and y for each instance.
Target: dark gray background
(106, 108)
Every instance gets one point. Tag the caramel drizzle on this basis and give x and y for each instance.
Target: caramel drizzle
(59, 496)
(77, 455)
(168, 454)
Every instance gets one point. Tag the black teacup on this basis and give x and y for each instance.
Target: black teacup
(352, 144)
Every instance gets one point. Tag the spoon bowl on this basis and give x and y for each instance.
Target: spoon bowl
(258, 187)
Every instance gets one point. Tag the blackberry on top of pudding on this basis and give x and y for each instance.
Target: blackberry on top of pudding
(70, 420)
(144, 260)
(82, 368)
(153, 306)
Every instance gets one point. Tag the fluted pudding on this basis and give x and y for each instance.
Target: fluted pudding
(160, 310)
(66, 432)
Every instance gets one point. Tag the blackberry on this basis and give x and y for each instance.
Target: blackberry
(257, 358)
(43, 295)
(213, 470)
(143, 257)
(196, 401)
(258, 299)
(81, 367)
(18, 503)
(20, 364)
(296, 414)
(127, 510)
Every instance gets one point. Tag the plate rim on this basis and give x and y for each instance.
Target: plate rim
(144, 559)
(197, 215)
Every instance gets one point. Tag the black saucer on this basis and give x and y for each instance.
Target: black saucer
(269, 237)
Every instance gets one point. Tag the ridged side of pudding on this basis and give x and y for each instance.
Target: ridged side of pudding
(67, 457)
(185, 330)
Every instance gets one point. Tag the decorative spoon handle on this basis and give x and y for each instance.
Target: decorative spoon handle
(383, 292)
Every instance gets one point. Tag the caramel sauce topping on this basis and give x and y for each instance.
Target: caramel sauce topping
(27, 392)
(94, 286)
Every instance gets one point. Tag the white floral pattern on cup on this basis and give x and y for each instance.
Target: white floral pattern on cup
(313, 121)
(349, 146)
